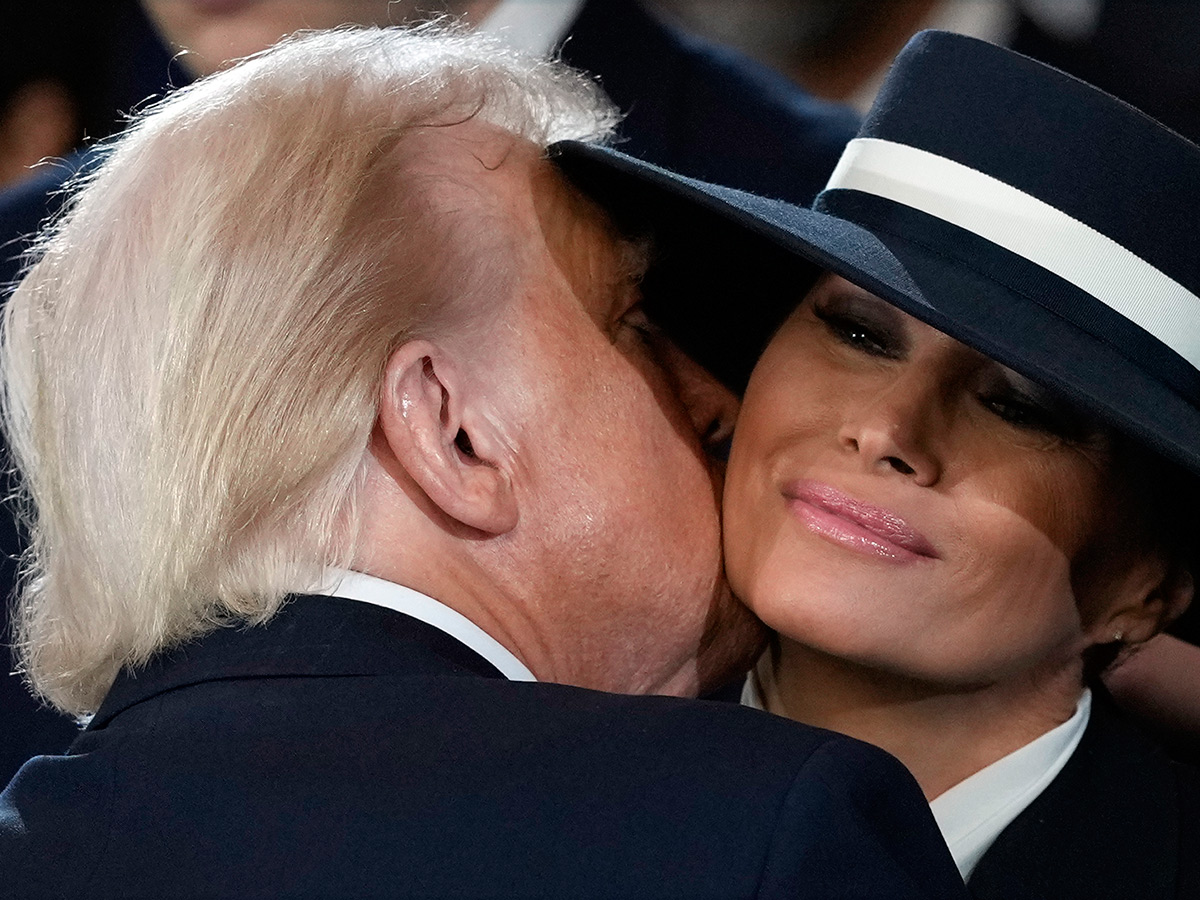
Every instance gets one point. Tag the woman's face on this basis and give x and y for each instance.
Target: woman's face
(896, 499)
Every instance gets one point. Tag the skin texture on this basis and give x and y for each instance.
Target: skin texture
(1031, 550)
(216, 32)
(538, 462)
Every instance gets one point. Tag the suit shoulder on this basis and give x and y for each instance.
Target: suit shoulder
(680, 729)
(53, 824)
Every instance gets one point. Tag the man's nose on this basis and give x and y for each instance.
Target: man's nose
(898, 429)
(712, 408)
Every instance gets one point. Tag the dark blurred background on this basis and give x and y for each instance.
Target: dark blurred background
(70, 71)
(1146, 52)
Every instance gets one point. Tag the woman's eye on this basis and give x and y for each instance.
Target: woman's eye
(861, 335)
(1017, 410)
(1031, 414)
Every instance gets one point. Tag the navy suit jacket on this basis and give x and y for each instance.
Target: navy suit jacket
(346, 750)
(1120, 821)
(693, 106)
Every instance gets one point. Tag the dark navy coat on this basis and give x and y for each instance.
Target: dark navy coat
(1120, 821)
(347, 750)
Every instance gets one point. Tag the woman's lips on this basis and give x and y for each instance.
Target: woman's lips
(859, 526)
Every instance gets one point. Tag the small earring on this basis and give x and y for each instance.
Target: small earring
(1118, 636)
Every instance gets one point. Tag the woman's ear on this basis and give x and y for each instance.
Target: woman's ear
(1174, 596)
(429, 420)
(1149, 608)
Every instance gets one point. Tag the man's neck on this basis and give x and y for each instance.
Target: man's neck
(457, 582)
(563, 645)
(942, 735)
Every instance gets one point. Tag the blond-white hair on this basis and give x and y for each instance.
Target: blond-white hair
(191, 366)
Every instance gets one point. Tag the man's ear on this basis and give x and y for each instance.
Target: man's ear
(428, 418)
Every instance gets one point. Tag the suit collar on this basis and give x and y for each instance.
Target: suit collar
(310, 636)
(369, 589)
(1108, 826)
(974, 812)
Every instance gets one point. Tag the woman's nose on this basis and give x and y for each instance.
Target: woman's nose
(897, 431)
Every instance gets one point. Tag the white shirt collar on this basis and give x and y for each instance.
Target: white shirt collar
(532, 26)
(972, 814)
(751, 695)
(369, 589)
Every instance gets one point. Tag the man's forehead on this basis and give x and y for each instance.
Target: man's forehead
(474, 174)
(470, 149)
(505, 191)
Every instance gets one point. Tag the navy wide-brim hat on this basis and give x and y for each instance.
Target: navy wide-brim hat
(1008, 204)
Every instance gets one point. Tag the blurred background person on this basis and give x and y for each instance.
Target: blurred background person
(68, 74)
(1143, 51)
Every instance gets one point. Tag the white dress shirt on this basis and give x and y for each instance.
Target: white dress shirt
(532, 26)
(369, 589)
(972, 814)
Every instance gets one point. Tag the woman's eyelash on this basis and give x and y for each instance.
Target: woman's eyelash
(1031, 414)
(859, 334)
(1018, 410)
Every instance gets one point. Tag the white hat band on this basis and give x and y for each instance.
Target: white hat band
(1030, 228)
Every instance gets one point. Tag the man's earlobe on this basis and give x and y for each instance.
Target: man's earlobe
(427, 416)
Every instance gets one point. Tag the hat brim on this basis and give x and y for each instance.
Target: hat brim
(728, 267)
(735, 265)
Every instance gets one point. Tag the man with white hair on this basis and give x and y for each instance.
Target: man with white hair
(690, 105)
(359, 479)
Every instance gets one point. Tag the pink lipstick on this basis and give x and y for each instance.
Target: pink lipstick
(856, 525)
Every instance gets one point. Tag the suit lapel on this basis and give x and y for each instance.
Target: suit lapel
(1106, 827)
